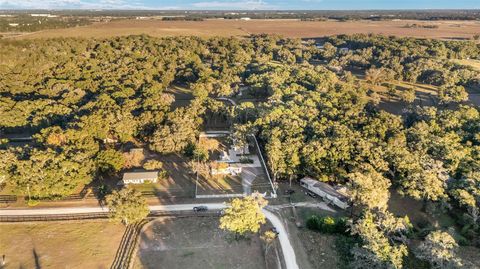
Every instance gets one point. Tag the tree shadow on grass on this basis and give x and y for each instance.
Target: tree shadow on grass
(37, 259)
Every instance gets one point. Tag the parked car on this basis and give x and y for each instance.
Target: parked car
(289, 192)
(274, 230)
(201, 208)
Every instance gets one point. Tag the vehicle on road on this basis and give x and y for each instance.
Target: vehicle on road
(201, 208)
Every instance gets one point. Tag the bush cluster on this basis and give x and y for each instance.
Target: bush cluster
(327, 224)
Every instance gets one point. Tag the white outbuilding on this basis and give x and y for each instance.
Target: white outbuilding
(140, 177)
(327, 192)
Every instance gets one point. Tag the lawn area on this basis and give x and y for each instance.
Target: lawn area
(222, 184)
(197, 243)
(426, 95)
(183, 95)
(414, 209)
(90, 244)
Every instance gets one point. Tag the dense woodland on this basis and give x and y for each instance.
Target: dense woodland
(78, 96)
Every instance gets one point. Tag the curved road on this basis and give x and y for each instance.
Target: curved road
(287, 249)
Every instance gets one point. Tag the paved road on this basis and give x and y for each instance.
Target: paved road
(322, 205)
(228, 100)
(287, 249)
(97, 209)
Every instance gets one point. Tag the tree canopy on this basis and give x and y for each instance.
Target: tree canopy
(127, 206)
(244, 215)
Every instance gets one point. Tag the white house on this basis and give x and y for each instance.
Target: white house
(136, 150)
(140, 177)
(43, 15)
(327, 192)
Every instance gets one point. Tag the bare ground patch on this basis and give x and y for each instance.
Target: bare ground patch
(197, 243)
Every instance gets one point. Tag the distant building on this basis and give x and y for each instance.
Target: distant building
(245, 19)
(43, 15)
(327, 192)
(140, 177)
(13, 24)
(110, 140)
(136, 150)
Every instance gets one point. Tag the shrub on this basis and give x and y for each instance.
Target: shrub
(194, 152)
(32, 202)
(327, 225)
(246, 160)
(152, 165)
(163, 174)
(133, 159)
(313, 222)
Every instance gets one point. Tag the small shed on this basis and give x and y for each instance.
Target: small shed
(140, 177)
(136, 150)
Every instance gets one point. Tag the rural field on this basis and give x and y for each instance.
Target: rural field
(288, 28)
(90, 244)
(198, 243)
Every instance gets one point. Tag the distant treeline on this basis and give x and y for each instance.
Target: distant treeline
(416, 25)
(182, 19)
(29, 23)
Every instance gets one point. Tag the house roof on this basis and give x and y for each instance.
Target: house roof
(140, 175)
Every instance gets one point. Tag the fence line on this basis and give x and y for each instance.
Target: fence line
(265, 166)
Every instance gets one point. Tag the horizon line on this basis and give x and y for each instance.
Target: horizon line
(242, 10)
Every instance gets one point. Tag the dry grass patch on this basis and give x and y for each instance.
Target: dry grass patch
(90, 244)
(197, 243)
(289, 28)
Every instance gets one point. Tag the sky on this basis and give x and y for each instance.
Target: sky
(240, 4)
